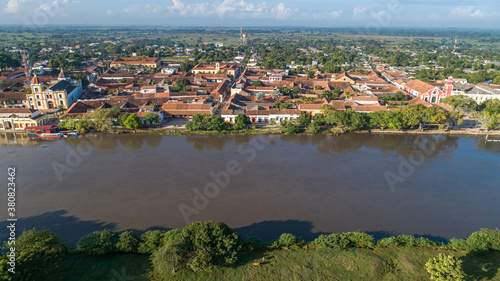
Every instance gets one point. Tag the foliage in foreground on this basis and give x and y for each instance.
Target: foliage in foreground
(199, 246)
(38, 252)
(205, 246)
(445, 267)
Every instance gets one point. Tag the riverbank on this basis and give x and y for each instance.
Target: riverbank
(329, 131)
(302, 264)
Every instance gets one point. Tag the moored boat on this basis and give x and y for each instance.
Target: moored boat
(51, 135)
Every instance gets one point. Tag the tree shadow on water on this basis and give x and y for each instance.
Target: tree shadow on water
(70, 228)
(481, 266)
(269, 230)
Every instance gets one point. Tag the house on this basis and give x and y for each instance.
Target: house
(179, 109)
(232, 69)
(276, 115)
(427, 92)
(479, 93)
(343, 77)
(63, 93)
(17, 99)
(20, 118)
(368, 100)
(149, 62)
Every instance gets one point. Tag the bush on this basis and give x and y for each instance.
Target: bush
(128, 242)
(38, 253)
(254, 243)
(151, 241)
(445, 267)
(287, 240)
(314, 128)
(99, 242)
(333, 241)
(479, 241)
(397, 241)
(289, 128)
(199, 246)
(170, 235)
(209, 244)
(360, 240)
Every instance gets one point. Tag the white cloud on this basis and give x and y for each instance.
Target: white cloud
(281, 11)
(13, 6)
(359, 13)
(468, 11)
(231, 9)
(325, 15)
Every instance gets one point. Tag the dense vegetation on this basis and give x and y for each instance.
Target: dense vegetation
(206, 248)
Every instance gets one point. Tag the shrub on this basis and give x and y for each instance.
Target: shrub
(199, 246)
(445, 267)
(151, 241)
(360, 240)
(254, 243)
(170, 235)
(289, 128)
(332, 241)
(405, 241)
(287, 240)
(479, 241)
(209, 244)
(98, 242)
(128, 242)
(313, 128)
(38, 253)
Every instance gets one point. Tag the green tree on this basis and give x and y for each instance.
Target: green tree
(330, 95)
(170, 258)
(128, 242)
(288, 127)
(38, 253)
(151, 118)
(121, 119)
(132, 122)
(304, 119)
(461, 102)
(257, 83)
(242, 121)
(217, 123)
(150, 241)
(445, 267)
(98, 242)
(319, 119)
(3, 84)
(199, 246)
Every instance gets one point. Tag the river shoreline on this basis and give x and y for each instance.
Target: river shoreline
(277, 131)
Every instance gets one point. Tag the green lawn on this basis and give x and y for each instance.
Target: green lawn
(310, 264)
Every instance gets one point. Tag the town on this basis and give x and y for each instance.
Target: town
(166, 86)
(247, 153)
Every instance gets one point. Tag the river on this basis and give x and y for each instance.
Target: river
(429, 185)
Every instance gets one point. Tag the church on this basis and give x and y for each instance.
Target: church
(62, 92)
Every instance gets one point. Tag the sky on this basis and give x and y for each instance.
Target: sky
(316, 13)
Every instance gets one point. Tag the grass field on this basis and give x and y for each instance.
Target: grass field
(302, 264)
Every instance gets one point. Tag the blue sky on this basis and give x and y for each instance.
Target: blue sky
(322, 13)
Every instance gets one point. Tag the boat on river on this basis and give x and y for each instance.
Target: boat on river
(51, 135)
